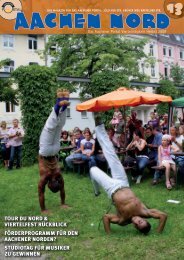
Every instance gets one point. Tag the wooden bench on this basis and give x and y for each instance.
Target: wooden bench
(159, 168)
(80, 165)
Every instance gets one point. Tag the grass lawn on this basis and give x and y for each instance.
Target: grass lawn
(18, 197)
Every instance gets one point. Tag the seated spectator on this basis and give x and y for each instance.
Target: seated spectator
(120, 127)
(86, 129)
(88, 148)
(116, 118)
(149, 140)
(181, 120)
(4, 141)
(165, 159)
(153, 151)
(164, 130)
(132, 125)
(122, 140)
(140, 127)
(76, 154)
(141, 153)
(98, 153)
(72, 138)
(153, 147)
(164, 121)
(154, 122)
(177, 142)
(64, 142)
(113, 138)
(149, 135)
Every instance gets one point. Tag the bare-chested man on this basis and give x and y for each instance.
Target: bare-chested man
(49, 148)
(129, 208)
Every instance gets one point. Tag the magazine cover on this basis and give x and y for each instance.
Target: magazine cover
(91, 129)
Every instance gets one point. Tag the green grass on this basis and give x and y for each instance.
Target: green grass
(18, 197)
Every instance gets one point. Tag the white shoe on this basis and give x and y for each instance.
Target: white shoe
(139, 179)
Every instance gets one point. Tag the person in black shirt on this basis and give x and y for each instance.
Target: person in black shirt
(141, 153)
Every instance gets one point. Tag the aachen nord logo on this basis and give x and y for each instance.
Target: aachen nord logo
(9, 9)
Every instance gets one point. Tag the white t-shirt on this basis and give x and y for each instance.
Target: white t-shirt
(179, 139)
(4, 135)
(88, 145)
(17, 140)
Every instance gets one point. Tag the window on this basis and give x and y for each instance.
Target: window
(68, 114)
(170, 52)
(182, 54)
(32, 42)
(178, 38)
(151, 52)
(52, 49)
(10, 107)
(164, 50)
(153, 70)
(8, 41)
(9, 67)
(33, 63)
(84, 114)
(166, 71)
(165, 35)
(142, 68)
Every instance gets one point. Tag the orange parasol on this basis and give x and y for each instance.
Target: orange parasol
(122, 97)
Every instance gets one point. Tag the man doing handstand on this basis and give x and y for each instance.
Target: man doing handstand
(49, 148)
(129, 208)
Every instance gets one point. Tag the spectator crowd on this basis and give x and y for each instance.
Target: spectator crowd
(139, 147)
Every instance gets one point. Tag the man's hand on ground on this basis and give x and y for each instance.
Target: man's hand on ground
(65, 206)
(46, 211)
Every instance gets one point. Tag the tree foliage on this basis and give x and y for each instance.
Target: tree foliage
(108, 60)
(36, 86)
(167, 88)
(7, 93)
(101, 58)
(177, 75)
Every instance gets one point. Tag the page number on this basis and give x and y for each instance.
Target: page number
(175, 8)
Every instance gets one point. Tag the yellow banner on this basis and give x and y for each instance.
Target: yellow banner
(91, 17)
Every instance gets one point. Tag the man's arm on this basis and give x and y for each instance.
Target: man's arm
(154, 213)
(10, 134)
(41, 191)
(62, 195)
(62, 191)
(109, 218)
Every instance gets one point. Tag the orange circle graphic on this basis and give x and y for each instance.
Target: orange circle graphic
(9, 9)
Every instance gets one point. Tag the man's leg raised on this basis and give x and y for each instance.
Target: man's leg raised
(100, 178)
(50, 136)
(117, 169)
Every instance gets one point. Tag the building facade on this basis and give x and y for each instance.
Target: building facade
(163, 50)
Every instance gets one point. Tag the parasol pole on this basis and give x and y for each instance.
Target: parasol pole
(124, 116)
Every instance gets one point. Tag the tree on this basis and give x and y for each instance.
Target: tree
(101, 58)
(7, 93)
(177, 74)
(108, 60)
(167, 88)
(37, 86)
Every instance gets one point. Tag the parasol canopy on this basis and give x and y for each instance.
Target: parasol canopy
(121, 97)
(179, 102)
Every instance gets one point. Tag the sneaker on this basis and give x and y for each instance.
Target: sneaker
(139, 179)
